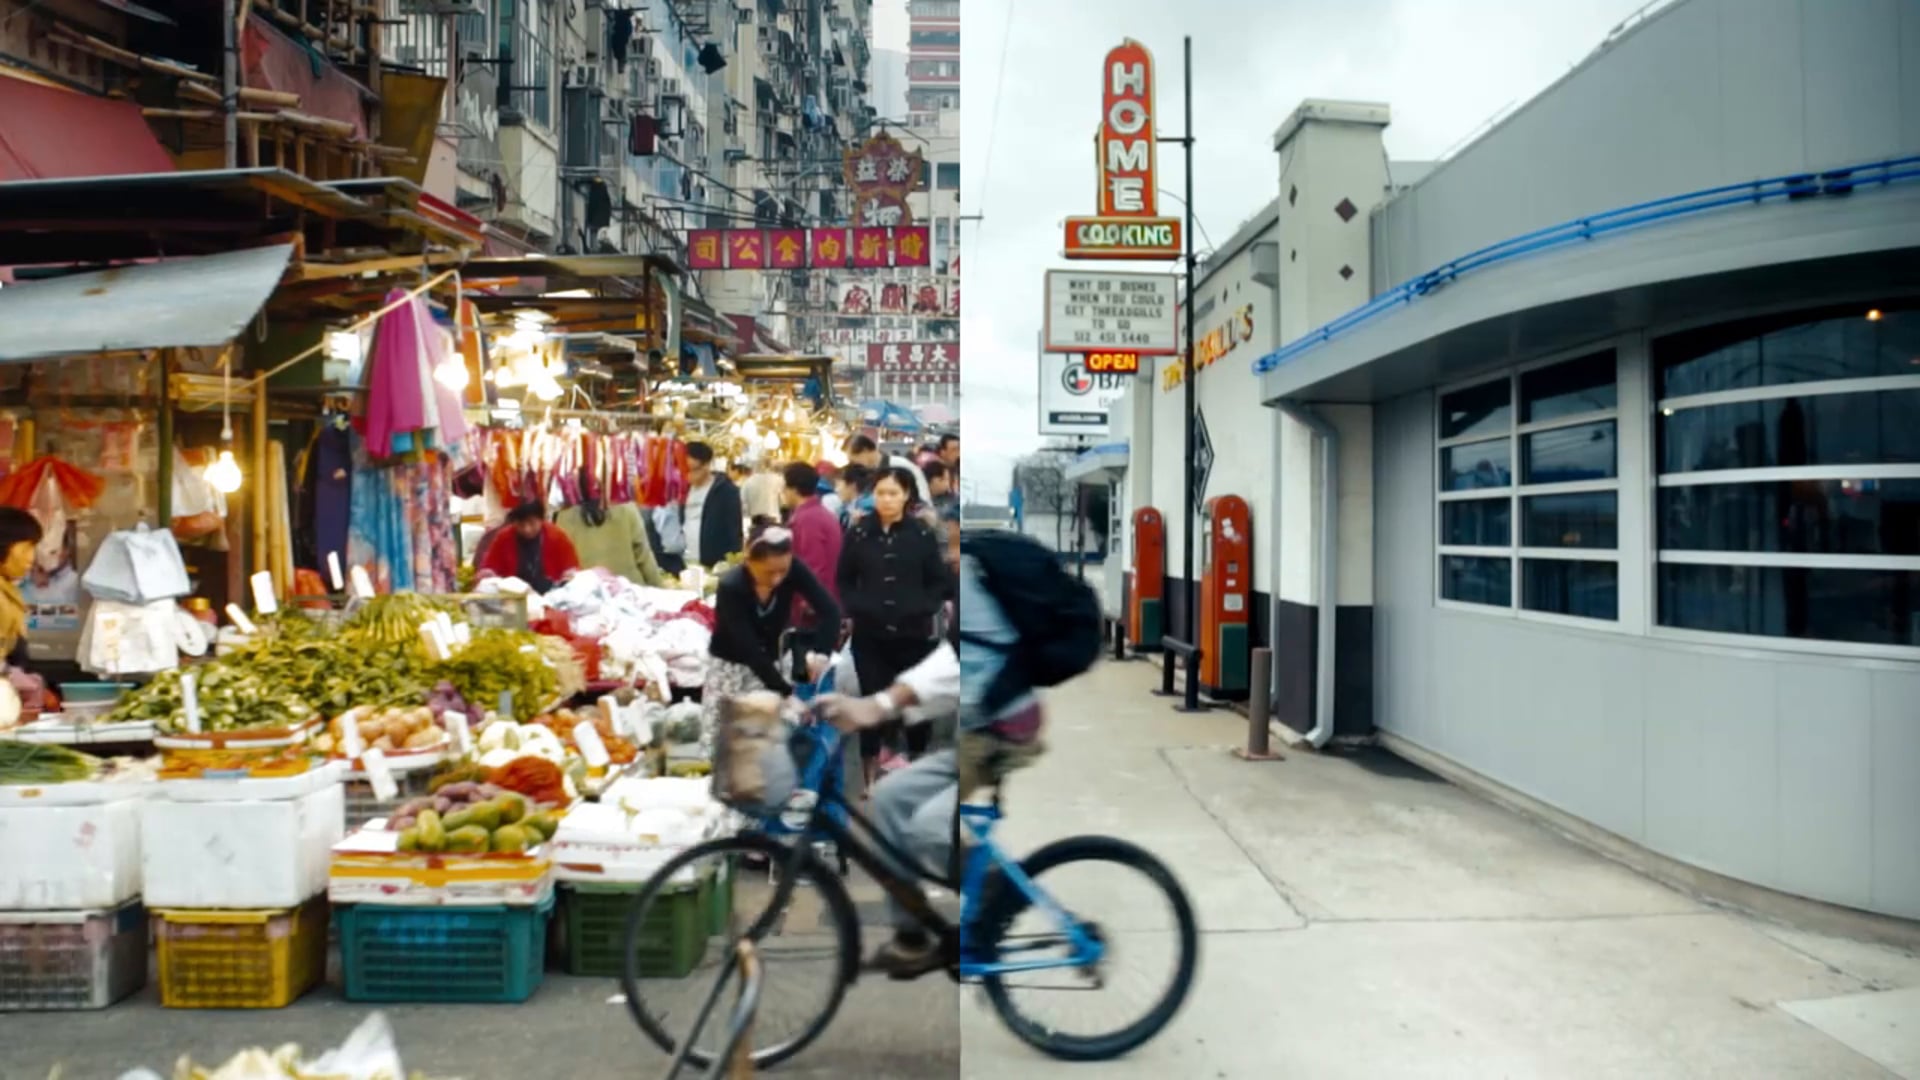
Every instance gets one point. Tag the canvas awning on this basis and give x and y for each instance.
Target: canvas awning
(52, 132)
(203, 301)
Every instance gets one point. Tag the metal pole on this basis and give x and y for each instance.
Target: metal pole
(229, 85)
(1188, 510)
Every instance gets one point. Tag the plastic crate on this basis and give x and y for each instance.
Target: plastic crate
(442, 954)
(72, 959)
(241, 959)
(671, 942)
(362, 807)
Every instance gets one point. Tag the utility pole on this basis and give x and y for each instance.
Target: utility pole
(1189, 511)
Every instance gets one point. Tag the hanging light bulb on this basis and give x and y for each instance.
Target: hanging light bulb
(749, 430)
(453, 375)
(224, 474)
(772, 441)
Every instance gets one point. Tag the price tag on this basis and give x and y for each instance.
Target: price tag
(264, 601)
(436, 642)
(352, 744)
(190, 702)
(362, 584)
(240, 620)
(333, 569)
(587, 738)
(505, 705)
(374, 763)
(462, 634)
(461, 733)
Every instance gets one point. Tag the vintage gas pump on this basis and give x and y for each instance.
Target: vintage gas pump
(1147, 596)
(1226, 587)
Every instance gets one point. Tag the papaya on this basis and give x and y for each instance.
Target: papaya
(467, 840)
(486, 815)
(542, 823)
(512, 808)
(410, 839)
(433, 834)
(512, 838)
(459, 819)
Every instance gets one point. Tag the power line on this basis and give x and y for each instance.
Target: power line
(993, 120)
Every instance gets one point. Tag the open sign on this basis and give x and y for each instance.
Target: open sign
(1113, 363)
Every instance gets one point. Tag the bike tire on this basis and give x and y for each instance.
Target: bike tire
(844, 917)
(1005, 903)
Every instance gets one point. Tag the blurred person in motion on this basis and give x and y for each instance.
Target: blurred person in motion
(816, 532)
(762, 493)
(530, 548)
(855, 485)
(862, 450)
(940, 481)
(710, 514)
(949, 454)
(893, 581)
(752, 607)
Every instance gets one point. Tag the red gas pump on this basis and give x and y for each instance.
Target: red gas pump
(1226, 589)
(1147, 597)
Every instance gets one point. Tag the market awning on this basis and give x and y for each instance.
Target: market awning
(52, 133)
(192, 302)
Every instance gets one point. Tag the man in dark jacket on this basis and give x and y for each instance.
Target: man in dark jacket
(711, 511)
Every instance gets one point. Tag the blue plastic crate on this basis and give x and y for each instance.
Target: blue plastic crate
(442, 954)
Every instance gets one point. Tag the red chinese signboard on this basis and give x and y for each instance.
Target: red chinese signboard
(704, 251)
(881, 174)
(787, 249)
(917, 361)
(804, 249)
(1128, 225)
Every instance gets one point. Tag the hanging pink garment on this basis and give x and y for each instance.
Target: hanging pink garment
(396, 401)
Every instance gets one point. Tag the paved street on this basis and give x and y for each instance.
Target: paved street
(1363, 919)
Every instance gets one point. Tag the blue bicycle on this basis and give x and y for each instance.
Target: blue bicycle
(804, 904)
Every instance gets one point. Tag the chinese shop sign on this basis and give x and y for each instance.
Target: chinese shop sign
(807, 249)
(881, 174)
(916, 362)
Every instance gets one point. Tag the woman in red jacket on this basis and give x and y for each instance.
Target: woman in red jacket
(530, 548)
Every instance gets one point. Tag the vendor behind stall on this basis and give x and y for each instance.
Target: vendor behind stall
(613, 538)
(20, 536)
(752, 608)
(530, 548)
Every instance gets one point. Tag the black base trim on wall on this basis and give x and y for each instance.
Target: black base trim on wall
(1295, 639)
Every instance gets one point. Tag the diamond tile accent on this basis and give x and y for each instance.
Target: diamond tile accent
(1346, 210)
(1346, 273)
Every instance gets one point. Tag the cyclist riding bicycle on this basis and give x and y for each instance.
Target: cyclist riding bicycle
(916, 807)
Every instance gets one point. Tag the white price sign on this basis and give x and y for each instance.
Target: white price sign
(1091, 311)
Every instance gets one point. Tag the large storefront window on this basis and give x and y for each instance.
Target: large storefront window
(1789, 476)
(1529, 481)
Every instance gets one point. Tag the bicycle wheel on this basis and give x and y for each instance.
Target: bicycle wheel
(812, 937)
(1005, 903)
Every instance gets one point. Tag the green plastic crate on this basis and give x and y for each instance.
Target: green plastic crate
(442, 954)
(671, 943)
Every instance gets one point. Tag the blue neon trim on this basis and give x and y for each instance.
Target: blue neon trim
(1797, 186)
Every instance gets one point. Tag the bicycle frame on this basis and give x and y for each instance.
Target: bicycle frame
(985, 856)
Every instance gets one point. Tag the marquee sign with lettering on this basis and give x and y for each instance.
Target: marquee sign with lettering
(1128, 225)
(1097, 312)
(916, 363)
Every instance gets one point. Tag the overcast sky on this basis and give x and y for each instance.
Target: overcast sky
(1028, 112)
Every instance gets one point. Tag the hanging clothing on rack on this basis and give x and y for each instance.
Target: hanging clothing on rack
(401, 524)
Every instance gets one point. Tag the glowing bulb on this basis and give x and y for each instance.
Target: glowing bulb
(750, 431)
(224, 474)
(837, 456)
(344, 346)
(1873, 315)
(772, 441)
(453, 376)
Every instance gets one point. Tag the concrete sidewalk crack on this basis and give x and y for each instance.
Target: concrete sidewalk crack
(1279, 887)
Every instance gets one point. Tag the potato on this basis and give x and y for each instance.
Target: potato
(423, 738)
(384, 744)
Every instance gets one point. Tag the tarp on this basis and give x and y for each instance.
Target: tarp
(50, 134)
(274, 61)
(202, 301)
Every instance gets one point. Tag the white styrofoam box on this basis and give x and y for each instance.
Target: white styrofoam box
(242, 853)
(69, 857)
(247, 788)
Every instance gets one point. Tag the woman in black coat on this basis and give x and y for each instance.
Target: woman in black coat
(893, 580)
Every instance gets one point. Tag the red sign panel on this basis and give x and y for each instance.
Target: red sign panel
(829, 248)
(910, 247)
(787, 249)
(870, 248)
(746, 249)
(704, 251)
(1126, 132)
(915, 356)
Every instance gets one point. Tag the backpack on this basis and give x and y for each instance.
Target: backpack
(1057, 616)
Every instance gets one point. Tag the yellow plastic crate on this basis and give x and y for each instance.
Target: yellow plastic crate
(240, 959)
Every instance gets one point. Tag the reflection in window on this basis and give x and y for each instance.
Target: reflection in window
(1816, 517)
(1477, 580)
(1869, 607)
(1590, 590)
(1477, 465)
(1477, 522)
(1574, 388)
(1795, 348)
(1587, 519)
(1568, 454)
(1868, 428)
(1477, 410)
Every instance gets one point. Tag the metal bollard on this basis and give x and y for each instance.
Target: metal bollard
(1259, 704)
(1192, 701)
(1166, 672)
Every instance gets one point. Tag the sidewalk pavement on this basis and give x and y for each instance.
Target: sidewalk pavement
(1362, 918)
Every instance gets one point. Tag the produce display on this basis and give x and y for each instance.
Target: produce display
(470, 818)
(389, 730)
(499, 661)
(396, 619)
(620, 749)
(536, 778)
(232, 697)
(34, 763)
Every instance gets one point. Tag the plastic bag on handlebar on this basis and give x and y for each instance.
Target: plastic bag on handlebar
(753, 766)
